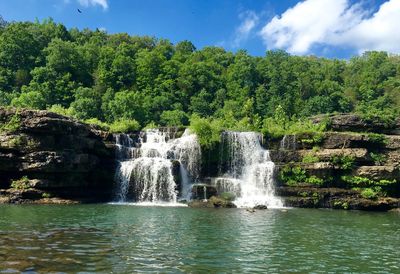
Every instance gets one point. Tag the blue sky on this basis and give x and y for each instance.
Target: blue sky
(330, 28)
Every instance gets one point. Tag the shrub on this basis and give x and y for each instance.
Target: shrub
(291, 176)
(97, 122)
(12, 125)
(21, 184)
(377, 139)
(151, 125)
(357, 181)
(340, 204)
(376, 111)
(173, 118)
(46, 195)
(378, 158)
(208, 131)
(59, 109)
(124, 125)
(314, 180)
(310, 158)
(369, 193)
(313, 138)
(345, 162)
(314, 132)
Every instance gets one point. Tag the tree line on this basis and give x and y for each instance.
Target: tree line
(142, 81)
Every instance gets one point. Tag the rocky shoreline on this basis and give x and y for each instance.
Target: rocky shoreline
(49, 158)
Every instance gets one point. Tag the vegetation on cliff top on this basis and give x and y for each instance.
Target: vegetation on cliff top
(135, 81)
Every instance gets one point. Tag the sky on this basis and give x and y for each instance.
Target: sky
(326, 28)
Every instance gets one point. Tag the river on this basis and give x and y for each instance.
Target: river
(132, 239)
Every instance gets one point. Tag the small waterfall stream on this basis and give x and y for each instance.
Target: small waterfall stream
(146, 167)
(249, 170)
(288, 142)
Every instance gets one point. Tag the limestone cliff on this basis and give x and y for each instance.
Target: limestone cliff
(44, 155)
(355, 165)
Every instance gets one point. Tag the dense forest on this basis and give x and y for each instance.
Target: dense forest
(130, 82)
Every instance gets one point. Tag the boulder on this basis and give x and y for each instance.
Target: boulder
(213, 202)
(260, 207)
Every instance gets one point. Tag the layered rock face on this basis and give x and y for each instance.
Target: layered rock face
(356, 165)
(47, 157)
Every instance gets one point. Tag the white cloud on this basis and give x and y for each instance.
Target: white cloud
(249, 22)
(87, 3)
(334, 23)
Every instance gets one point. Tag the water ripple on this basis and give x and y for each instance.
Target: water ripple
(126, 239)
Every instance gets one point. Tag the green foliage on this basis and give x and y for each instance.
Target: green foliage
(357, 181)
(345, 162)
(30, 99)
(124, 126)
(151, 125)
(91, 74)
(59, 109)
(378, 158)
(281, 125)
(173, 118)
(341, 204)
(377, 139)
(376, 111)
(303, 194)
(295, 175)
(370, 193)
(292, 176)
(208, 131)
(314, 180)
(46, 195)
(12, 125)
(21, 184)
(98, 123)
(310, 158)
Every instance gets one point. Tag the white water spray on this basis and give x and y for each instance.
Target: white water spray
(145, 171)
(249, 171)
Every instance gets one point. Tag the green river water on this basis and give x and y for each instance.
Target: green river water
(133, 239)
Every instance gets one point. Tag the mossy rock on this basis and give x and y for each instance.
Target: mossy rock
(213, 202)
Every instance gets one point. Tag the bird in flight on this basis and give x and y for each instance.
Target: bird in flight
(79, 11)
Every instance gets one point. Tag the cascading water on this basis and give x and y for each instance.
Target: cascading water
(288, 142)
(249, 170)
(146, 171)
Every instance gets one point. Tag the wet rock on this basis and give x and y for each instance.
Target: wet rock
(220, 202)
(213, 202)
(203, 191)
(260, 207)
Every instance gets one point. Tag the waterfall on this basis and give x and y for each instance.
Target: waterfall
(146, 167)
(288, 142)
(249, 170)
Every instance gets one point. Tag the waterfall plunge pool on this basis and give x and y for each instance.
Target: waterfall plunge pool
(128, 239)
